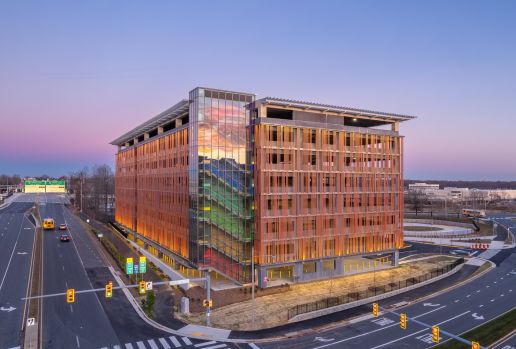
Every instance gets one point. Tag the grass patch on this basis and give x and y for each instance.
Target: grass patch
(486, 334)
(420, 228)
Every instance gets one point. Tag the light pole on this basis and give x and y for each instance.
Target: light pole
(252, 286)
(82, 179)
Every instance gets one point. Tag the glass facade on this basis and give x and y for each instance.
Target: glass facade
(220, 215)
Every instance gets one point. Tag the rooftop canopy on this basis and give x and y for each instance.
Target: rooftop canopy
(326, 108)
(168, 115)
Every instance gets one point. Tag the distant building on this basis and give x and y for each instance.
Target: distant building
(424, 188)
(305, 184)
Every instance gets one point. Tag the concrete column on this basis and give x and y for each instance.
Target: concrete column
(160, 130)
(135, 141)
(395, 126)
(127, 144)
(319, 271)
(262, 273)
(146, 135)
(179, 122)
(262, 111)
(119, 148)
(339, 266)
(298, 271)
(396, 258)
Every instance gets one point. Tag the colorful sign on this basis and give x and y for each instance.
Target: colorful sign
(129, 266)
(143, 264)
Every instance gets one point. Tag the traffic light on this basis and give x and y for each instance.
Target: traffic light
(207, 303)
(403, 321)
(70, 295)
(435, 334)
(375, 309)
(475, 345)
(142, 287)
(109, 290)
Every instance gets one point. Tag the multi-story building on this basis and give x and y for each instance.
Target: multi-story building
(303, 186)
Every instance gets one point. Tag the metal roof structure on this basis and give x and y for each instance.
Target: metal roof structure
(163, 118)
(333, 109)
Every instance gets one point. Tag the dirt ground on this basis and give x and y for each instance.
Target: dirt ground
(272, 310)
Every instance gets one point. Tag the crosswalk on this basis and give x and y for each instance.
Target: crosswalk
(172, 342)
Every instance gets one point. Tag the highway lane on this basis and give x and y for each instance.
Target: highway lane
(116, 322)
(16, 240)
(457, 310)
(84, 322)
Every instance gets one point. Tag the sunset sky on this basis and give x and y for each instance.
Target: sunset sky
(76, 75)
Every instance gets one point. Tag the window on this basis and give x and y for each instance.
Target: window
(274, 134)
(313, 137)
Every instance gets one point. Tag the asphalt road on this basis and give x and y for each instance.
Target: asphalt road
(456, 311)
(16, 240)
(93, 321)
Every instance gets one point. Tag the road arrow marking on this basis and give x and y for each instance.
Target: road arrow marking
(7, 309)
(430, 305)
(477, 317)
(322, 339)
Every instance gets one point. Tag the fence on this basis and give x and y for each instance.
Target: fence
(370, 292)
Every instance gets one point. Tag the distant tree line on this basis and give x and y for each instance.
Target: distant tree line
(10, 180)
(96, 187)
(466, 184)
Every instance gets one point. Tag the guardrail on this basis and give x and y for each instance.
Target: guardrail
(370, 292)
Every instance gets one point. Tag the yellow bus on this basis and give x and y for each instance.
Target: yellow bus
(473, 213)
(48, 224)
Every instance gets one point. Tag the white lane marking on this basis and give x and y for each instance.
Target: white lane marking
(468, 296)
(175, 341)
(379, 329)
(253, 346)
(77, 339)
(456, 301)
(12, 253)
(140, 345)
(116, 347)
(186, 340)
(481, 305)
(492, 300)
(425, 329)
(164, 343)
(128, 346)
(502, 295)
(152, 344)
(223, 345)
(71, 308)
(204, 344)
(478, 291)
(104, 348)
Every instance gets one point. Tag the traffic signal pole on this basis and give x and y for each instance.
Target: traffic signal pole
(448, 334)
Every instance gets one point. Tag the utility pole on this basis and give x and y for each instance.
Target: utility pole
(81, 190)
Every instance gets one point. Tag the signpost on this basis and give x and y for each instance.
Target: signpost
(129, 266)
(143, 265)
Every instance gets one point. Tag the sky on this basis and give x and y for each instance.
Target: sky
(74, 75)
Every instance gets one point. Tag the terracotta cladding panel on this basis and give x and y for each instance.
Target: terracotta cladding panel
(152, 190)
(323, 193)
